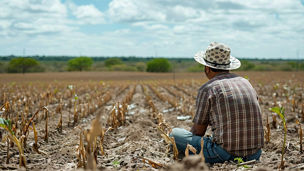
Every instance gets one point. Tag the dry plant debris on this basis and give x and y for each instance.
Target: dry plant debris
(45, 117)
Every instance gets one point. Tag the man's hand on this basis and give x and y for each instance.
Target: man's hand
(199, 130)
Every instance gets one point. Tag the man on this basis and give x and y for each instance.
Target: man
(229, 104)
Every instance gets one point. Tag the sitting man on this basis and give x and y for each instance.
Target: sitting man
(229, 104)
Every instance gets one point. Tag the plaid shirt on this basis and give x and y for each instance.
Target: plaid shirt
(230, 105)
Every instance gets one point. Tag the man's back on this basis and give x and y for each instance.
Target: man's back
(229, 104)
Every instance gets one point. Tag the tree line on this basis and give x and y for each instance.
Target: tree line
(12, 64)
(29, 64)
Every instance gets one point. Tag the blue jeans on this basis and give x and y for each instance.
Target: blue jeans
(213, 152)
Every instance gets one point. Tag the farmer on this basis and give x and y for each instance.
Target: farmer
(229, 104)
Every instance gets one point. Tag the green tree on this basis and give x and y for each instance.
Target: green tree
(196, 68)
(301, 66)
(158, 65)
(246, 65)
(80, 64)
(140, 66)
(112, 61)
(23, 65)
(2, 67)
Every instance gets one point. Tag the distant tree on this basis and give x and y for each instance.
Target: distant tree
(2, 67)
(112, 61)
(158, 65)
(140, 66)
(301, 66)
(80, 64)
(246, 65)
(196, 68)
(22, 65)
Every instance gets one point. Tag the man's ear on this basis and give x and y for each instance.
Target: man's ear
(207, 69)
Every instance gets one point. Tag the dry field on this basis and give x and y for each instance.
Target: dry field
(65, 121)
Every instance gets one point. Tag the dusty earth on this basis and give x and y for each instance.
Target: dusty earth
(139, 137)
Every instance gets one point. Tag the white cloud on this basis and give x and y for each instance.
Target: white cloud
(190, 24)
(33, 17)
(87, 11)
(186, 12)
(87, 14)
(132, 11)
(28, 17)
(148, 27)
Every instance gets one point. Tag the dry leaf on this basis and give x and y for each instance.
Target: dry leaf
(202, 148)
(187, 151)
(175, 150)
(191, 148)
(152, 163)
(169, 139)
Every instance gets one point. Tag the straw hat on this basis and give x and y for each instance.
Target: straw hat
(217, 56)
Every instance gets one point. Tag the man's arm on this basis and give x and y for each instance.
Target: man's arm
(199, 130)
(201, 118)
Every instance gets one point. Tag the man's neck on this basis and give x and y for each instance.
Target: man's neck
(214, 74)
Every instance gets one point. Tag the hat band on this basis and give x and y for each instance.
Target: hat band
(215, 64)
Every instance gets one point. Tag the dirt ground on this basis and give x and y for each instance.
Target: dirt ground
(139, 137)
(134, 76)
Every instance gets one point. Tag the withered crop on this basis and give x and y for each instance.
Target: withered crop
(6, 124)
(281, 112)
(300, 135)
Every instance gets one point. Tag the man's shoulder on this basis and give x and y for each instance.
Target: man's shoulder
(204, 88)
(217, 80)
(208, 85)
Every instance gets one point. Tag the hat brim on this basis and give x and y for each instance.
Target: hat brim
(234, 63)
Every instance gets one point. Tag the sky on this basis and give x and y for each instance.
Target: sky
(152, 28)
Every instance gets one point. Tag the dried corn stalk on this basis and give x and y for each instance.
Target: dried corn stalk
(274, 121)
(101, 147)
(35, 145)
(6, 124)
(26, 127)
(191, 148)
(7, 151)
(293, 102)
(95, 149)
(160, 118)
(6, 106)
(274, 96)
(152, 163)
(96, 130)
(300, 136)
(81, 152)
(46, 126)
(75, 110)
(202, 149)
(165, 127)
(59, 126)
(121, 118)
(112, 119)
(267, 132)
(171, 140)
(152, 106)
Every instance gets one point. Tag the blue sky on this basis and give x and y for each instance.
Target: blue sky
(161, 28)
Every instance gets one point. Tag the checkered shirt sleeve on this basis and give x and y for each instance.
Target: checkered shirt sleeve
(202, 107)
